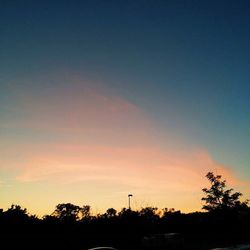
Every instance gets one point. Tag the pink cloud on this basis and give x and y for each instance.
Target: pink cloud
(148, 166)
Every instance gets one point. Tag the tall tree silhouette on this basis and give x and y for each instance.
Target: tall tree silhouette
(217, 197)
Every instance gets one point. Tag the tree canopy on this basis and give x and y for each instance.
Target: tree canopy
(218, 197)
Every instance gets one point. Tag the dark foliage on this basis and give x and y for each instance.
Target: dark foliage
(219, 198)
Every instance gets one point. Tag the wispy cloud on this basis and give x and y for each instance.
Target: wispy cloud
(146, 167)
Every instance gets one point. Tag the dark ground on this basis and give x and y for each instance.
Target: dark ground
(121, 242)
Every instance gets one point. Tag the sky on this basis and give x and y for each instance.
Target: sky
(101, 99)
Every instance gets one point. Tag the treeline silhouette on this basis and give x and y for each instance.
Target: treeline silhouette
(225, 222)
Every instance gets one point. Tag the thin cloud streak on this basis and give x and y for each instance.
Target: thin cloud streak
(149, 167)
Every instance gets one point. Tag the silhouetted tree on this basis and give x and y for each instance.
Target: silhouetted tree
(149, 212)
(85, 212)
(67, 211)
(16, 213)
(111, 212)
(166, 211)
(127, 213)
(17, 210)
(218, 197)
(170, 212)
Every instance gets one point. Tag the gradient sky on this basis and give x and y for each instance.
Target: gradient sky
(99, 99)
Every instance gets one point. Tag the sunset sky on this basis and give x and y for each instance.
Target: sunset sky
(100, 99)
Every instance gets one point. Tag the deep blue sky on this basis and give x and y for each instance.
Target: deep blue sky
(184, 63)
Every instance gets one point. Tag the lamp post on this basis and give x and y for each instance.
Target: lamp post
(130, 195)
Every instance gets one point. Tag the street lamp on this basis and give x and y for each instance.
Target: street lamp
(130, 195)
